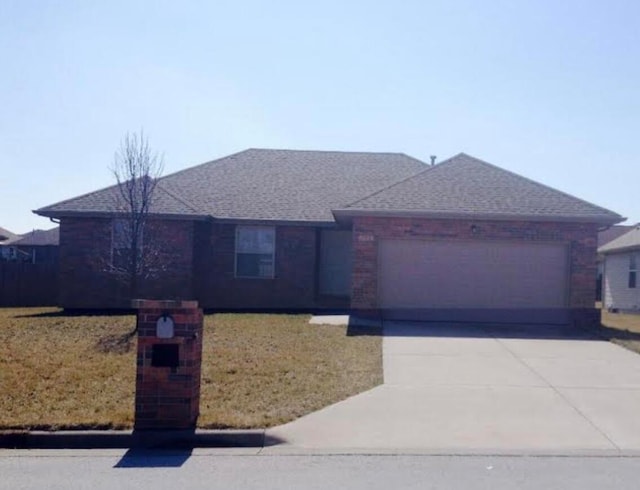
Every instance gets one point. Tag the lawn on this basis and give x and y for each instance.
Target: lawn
(622, 329)
(59, 371)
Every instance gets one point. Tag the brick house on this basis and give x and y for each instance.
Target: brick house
(38, 247)
(374, 232)
(621, 289)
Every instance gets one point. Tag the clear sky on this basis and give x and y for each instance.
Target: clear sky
(547, 89)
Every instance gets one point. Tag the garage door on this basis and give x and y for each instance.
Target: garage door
(477, 278)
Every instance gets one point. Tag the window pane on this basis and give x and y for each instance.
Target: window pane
(245, 240)
(632, 262)
(123, 234)
(255, 240)
(255, 246)
(265, 240)
(632, 279)
(254, 265)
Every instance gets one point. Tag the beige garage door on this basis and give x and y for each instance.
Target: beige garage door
(471, 275)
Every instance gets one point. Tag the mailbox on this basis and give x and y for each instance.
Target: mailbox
(168, 364)
(165, 327)
(165, 355)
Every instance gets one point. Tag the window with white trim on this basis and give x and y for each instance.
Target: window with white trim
(255, 251)
(633, 271)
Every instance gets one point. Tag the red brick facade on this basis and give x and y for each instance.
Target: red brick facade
(168, 397)
(200, 257)
(200, 264)
(581, 238)
(294, 284)
(85, 254)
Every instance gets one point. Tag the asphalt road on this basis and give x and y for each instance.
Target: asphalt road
(229, 469)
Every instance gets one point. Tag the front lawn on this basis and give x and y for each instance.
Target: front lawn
(59, 371)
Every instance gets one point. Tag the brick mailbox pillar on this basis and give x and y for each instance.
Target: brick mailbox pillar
(168, 364)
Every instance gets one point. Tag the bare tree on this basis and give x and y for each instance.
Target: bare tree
(136, 169)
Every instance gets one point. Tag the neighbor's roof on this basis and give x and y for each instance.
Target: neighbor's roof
(6, 237)
(257, 184)
(463, 186)
(40, 237)
(613, 232)
(628, 241)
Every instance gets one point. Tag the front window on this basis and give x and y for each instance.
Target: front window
(122, 241)
(633, 271)
(255, 250)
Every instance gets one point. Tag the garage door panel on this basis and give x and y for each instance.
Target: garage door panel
(441, 274)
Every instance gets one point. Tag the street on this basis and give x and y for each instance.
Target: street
(247, 469)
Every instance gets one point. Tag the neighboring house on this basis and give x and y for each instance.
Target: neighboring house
(38, 246)
(621, 261)
(605, 236)
(7, 251)
(373, 232)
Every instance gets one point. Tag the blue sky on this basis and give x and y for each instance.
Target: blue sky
(547, 89)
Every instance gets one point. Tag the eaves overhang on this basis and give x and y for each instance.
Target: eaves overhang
(343, 215)
(618, 250)
(275, 222)
(105, 214)
(226, 220)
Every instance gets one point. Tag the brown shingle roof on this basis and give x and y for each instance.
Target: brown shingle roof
(612, 233)
(40, 237)
(305, 186)
(106, 201)
(467, 186)
(257, 184)
(628, 241)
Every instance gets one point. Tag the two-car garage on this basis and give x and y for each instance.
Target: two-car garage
(458, 280)
(465, 240)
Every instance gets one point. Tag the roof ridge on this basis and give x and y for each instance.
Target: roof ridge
(539, 184)
(202, 164)
(393, 184)
(179, 198)
(112, 186)
(159, 179)
(64, 201)
(336, 151)
(216, 160)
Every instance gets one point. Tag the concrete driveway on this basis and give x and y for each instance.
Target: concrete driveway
(469, 389)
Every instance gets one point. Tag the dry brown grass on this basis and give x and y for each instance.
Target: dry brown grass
(59, 371)
(622, 329)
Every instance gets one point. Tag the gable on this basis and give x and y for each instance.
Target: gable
(464, 186)
(626, 242)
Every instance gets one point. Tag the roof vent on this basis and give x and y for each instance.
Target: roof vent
(433, 160)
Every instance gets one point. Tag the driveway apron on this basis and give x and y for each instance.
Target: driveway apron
(471, 388)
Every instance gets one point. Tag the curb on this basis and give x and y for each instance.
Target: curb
(148, 439)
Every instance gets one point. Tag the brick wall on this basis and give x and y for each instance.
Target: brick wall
(581, 238)
(85, 254)
(168, 397)
(294, 284)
